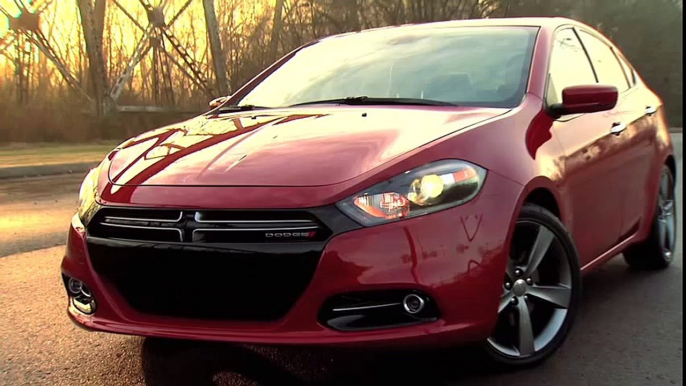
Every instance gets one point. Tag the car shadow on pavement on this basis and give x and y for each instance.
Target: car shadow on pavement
(172, 362)
(614, 278)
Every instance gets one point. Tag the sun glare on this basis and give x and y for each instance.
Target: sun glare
(60, 23)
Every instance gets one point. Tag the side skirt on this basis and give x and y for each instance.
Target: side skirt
(616, 250)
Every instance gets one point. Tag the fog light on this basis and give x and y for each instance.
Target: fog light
(74, 286)
(85, 291)
(81, 296)
(85, 305)
(413, 304)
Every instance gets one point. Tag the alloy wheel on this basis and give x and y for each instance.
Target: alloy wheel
(666, 216)
(537, 292)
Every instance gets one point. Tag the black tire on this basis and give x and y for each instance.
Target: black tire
(563, 252)
(657, 251)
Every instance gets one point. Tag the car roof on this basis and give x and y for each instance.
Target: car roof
(547, 22)
(550, 23)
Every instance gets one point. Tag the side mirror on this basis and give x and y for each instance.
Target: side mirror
(586, 99)
(214, 103)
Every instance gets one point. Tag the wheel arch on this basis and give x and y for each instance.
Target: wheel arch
(545, 199)
(543, 192)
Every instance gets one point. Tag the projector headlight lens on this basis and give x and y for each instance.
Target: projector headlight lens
(430, 188)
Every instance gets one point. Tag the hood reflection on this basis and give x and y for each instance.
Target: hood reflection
(283, 148)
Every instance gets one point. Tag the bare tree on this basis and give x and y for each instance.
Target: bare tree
(277, 26)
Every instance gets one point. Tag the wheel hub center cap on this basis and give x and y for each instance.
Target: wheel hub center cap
(519, 287)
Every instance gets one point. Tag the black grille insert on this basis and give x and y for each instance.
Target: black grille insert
(205, 283)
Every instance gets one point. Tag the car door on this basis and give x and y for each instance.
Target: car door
(633, 133)
(641, 155)
(591, 187)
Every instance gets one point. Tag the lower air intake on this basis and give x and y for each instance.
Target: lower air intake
(377, 309)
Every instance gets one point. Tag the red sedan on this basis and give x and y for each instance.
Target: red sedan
(433, 184)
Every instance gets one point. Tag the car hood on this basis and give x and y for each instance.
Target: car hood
(291, 147)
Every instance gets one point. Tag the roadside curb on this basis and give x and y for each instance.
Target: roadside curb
(45, 170)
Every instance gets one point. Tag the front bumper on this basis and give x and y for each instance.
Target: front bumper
(456, 256)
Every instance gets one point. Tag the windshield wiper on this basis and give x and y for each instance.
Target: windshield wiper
(367, 101)
(234, 108)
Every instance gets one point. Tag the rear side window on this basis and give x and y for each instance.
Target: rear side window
(569, 66)
(628, 71)
(605, 62)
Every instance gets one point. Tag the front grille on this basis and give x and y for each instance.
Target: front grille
(207, 226)
(204, 283)
(218, 265)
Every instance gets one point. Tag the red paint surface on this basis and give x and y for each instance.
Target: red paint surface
(589, 98)
(290, 147)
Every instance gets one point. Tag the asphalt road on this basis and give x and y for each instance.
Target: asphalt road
(628, 332)
(35, 212)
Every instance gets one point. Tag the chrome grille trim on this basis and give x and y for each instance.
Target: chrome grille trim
(371, 307)
(134, 219)
(253, 229)
(198, 218)
(207, 226)
(146, 228)
(196, 234)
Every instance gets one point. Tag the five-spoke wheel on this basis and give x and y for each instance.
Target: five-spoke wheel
(540, 290)
(666, 217)
(658, 249)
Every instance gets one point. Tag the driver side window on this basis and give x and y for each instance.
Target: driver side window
(569, 66)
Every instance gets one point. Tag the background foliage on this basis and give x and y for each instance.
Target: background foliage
(649, 32)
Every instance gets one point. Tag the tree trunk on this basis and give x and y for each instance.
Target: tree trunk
(92, 20)
(277, 25)
(216, 47)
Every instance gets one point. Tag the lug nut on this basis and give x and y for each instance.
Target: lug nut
(513, 301)
(508, 285)
(518, 272)
(529, 281)
(526, 298)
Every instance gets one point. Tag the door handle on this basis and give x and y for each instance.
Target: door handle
(617, 128)
(650, 110)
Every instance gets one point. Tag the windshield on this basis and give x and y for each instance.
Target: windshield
(472, 66)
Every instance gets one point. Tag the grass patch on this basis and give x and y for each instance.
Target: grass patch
(22, 154)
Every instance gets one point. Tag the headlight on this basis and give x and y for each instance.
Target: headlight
(87, 194)
(427, 189)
